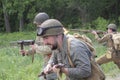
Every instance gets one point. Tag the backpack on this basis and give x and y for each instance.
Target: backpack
(116, 41)
(83, 38)
(87, 41)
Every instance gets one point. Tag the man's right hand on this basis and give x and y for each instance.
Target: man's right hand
(48, 69)
(23, 52)
(94, 32)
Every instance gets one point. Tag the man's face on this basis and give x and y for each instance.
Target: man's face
(109, 30)
(51, 41)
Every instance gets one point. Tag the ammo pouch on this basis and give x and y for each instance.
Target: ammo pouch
(96, 72)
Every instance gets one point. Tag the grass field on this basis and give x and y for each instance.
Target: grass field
(13, 66)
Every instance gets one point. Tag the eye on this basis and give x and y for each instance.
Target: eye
(45, 38)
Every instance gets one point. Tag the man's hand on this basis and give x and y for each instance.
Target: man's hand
(33, 47)
(94, 32)
(23, 52)
(55, 68)
(48, 69)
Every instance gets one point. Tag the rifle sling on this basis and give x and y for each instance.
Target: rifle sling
(68, 54)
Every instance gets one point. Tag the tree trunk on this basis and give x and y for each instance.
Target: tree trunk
(21, 24)
(6, 19)
(83, 15)
(117, 12)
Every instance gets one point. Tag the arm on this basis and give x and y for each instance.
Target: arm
(105, 38)
(51, 62)
(81, 62)
(43, 49)
(79, 55)
(40, 47)
(26, 42)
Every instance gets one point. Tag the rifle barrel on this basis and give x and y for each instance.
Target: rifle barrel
(87, 31)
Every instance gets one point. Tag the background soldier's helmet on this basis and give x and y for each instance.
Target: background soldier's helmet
(50, 27)
(40, 18)
(112, 26)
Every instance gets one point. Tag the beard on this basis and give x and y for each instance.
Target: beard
(54, 47)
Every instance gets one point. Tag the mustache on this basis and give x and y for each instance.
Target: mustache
(48, 44)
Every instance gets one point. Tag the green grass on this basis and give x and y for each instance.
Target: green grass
(17, 67)
(13, 66)
(6, 38)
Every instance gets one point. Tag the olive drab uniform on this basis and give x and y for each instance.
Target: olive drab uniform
(110, 54)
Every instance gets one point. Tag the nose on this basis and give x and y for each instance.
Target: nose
(45, 41)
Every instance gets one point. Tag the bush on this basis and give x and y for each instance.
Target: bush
(100, 23)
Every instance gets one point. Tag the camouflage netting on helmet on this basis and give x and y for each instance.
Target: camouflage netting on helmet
(112, 26)
(40, 18)
(54, 27)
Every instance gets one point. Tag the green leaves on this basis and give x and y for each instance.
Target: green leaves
(78, 13)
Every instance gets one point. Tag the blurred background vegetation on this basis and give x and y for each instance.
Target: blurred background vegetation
(18, 15)
(16, 23)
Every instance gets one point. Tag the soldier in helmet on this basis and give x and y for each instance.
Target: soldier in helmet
(110, 54)
(40, 18)
(71, 51)
(39, 47)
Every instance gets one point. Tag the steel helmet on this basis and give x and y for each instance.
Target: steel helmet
(40, 18)
(50, 27)
(112, 26)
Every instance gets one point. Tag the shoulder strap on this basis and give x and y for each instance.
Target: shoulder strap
(68, 54)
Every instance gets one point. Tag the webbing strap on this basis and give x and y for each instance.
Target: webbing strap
(68, 54)
(59, 74)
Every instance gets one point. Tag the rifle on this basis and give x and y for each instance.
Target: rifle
(87, 31)
(22, 43)
(25, 42)
(60, 65)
